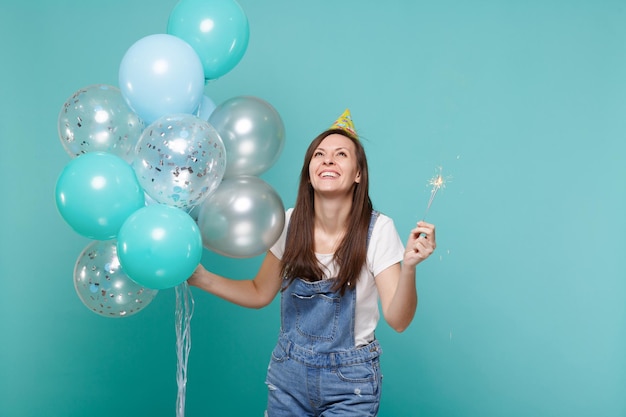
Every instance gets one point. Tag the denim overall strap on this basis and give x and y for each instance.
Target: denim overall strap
(315, 318)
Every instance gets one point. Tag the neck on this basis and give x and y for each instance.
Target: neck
(331, 215)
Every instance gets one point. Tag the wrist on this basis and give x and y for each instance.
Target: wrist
(408, 269)
(198, 278)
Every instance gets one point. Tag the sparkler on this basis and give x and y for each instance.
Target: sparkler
(436, 182)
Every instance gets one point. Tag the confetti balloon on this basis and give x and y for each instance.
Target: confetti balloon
(97, 118)
(159, 246)
(243, 218)
(253, 134)
(179, 160)
(103, 286)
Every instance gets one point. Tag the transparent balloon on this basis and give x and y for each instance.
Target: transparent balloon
(97, 119)
(103, 286)
(243, 218)
(179, 160)
(253, 134)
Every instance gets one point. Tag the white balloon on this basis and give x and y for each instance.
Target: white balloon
(243, 218)
(253, 134)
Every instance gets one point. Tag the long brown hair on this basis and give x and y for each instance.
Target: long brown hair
(299, 260)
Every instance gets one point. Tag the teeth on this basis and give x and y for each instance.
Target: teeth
(328, 174)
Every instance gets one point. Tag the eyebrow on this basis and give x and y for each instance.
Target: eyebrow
(341, 148)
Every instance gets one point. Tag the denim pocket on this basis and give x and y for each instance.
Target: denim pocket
(360, 372)
(279, 354)
(317, 316)
(364, 381)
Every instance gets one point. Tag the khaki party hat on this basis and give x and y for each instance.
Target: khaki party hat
(344, 122)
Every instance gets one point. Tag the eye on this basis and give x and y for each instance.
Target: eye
(342, 153)
(318, 153)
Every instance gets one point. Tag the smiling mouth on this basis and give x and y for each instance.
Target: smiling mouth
(329, 175)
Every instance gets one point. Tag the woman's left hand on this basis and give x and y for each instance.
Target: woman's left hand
(421, 244)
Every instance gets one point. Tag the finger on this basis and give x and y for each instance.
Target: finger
(421, 246)
(424, 244)
(426, 229)
(414, 234)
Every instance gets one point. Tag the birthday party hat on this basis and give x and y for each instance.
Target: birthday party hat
(344, 122)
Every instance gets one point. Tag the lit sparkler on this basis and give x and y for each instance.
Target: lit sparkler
(436, 182)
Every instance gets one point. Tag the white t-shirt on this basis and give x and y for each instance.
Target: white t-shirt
(385, 249)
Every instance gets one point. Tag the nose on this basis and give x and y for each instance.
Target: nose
(328, 160)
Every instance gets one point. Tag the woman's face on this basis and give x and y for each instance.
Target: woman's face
(333, 167)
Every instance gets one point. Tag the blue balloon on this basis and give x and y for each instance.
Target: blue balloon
(159, 246)
(206, 108)
(218, 31)
(96, 192)
(159, 75)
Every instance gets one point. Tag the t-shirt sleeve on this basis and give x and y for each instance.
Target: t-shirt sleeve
(278, 249)
(385, 247)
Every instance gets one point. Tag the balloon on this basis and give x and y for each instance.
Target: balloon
(161, 74)
(95, 194)
(206, 108)
(159, 246)
(253, 134)
(97, 119)
(103, 286)
(217, 30)
(243, 218)
(179, 160)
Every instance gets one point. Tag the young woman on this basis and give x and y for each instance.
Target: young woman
(335, 258)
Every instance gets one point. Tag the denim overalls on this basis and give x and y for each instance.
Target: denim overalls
(315, 369)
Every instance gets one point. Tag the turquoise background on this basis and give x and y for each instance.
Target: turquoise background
(522, 103)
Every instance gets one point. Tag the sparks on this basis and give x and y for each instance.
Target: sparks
(436, 182)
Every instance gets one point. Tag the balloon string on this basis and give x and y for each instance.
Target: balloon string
(184, 312)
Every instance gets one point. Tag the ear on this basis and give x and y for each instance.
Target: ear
(357, 179)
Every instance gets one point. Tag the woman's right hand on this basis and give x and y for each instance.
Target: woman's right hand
(254, 293)
(199, 274)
